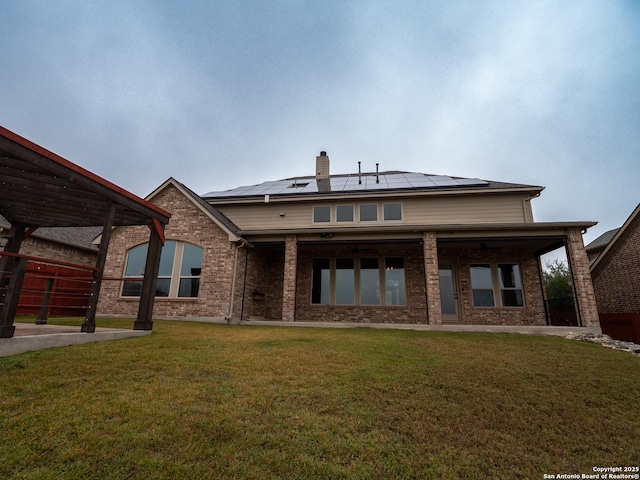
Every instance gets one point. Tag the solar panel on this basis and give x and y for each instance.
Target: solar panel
(349, 183)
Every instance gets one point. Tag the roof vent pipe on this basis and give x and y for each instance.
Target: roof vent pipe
(359, 174)
(377, 178)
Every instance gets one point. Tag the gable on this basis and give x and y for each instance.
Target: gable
(172, 203)
(625, 244)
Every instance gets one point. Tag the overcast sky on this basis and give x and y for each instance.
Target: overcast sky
(222, 94)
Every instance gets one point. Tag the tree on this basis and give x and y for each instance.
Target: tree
(557, 280)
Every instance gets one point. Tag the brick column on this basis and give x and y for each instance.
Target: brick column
(289, 283)
(432, 278)
(579, 267)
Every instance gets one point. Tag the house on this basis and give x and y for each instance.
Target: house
(595, 248)
(66, 244)
(69, 286)
(615, 272)
(389, 247)
(41, 190)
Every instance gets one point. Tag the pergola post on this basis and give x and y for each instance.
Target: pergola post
(89, 325)
(14, 267)
(150, 279)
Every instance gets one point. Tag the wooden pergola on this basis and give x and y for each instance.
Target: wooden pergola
(41, 189)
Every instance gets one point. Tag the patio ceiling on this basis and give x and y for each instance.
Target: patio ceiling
(41, 189)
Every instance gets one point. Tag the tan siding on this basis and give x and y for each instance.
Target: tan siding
(464, 210)
(468, 209)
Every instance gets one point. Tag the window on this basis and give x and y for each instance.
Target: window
(482, 286)
(320, 283)
(322, 214)
(190, 271)
(491, 282)
(345, 281)
(344, 213)
(369, 281)
(510, 285)
(350, 281)
(369, 213)
(392, 212)
(178, 273)
(395, 287)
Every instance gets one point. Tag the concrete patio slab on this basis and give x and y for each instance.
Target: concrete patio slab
(30, 337)
(525, 330)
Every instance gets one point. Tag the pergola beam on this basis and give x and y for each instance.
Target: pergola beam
(42, 189)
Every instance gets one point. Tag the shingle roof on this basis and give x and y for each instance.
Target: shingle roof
(81, 237)
(391, 181)
(603, 240)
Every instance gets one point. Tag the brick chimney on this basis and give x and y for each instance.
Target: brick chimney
(322, 172)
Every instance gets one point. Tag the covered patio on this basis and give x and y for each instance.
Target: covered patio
(42, 189)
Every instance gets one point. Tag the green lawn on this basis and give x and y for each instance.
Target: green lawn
(197, 400)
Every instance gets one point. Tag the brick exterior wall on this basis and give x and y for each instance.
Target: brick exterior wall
(617, 280)
(289, 283)
(265, 275)
(532, 313)
(434, 306)
(263, 284)
(414, 312)
(40, 247)
(579, 265)
(188, 224)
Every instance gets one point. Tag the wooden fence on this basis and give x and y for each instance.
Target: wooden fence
(621, 326)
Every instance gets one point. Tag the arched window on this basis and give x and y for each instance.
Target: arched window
(178, 275)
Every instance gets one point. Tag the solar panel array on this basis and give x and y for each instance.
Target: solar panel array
(350, 183)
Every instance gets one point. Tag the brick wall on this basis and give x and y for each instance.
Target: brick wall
(289, 279)
(461, 259)
(263, 284)
(414, 312)
(434, 305)
(189, 224)
(617, 280)
(40, 247)
(583, 286)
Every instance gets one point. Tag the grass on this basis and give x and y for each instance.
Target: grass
(199, 400)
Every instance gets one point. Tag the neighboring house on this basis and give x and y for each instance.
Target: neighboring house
(595, 248)
(65, 244)
(70, 286)
(393, 247)
(615, 272)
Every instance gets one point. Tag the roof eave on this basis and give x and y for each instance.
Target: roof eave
(452, 228)
(532, 190)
